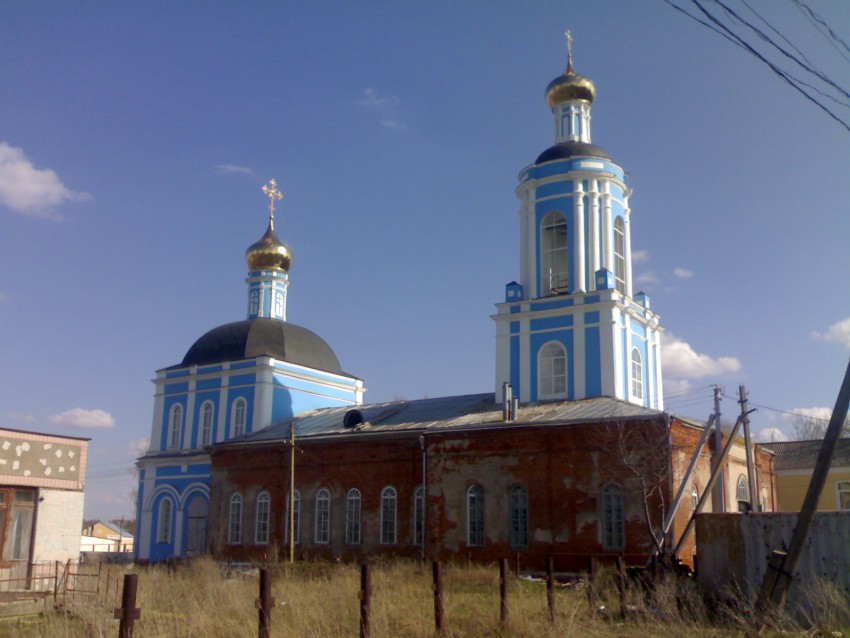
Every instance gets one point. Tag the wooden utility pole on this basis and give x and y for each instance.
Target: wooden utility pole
(781, 566)
(748, 449)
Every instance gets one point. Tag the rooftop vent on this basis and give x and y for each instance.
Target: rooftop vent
(352, 419)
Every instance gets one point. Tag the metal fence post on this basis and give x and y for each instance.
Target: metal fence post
(438, 599)
(503, 591)
(365, 600)
(264, 604)
(127, 612)
(550, 587)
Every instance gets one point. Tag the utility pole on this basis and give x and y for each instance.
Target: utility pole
(718, 500)
(748, 449)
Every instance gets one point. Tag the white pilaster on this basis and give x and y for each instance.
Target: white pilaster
(627, 230)
(577, 243)
(593, 256)
(607, 230)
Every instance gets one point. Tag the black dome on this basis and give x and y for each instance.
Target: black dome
(263, 337)
(565, 150)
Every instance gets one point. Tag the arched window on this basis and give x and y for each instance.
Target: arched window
(206, 422)
(554, 268)
(163, 533)
(323, 517)
(620, 255)
(388, 516)
(843, 490)
(352, 517)
(742, 493)
(475, 516)
(613, 519)
(175, 425)
(296, 518)
(278, 304)
(261, 528)
(254, 302)
(234, 531)
(552, 371)
(419, 516)
(239, 416)
(637, 374)
(695, 497)
(518, 517)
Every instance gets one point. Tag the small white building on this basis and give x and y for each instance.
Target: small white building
(42, 478)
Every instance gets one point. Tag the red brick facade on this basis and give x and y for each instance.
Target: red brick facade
(564, 469)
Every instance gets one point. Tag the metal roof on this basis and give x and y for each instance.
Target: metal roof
(468, 411)
(801, 455)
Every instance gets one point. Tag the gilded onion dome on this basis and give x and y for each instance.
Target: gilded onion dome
(269, 253)
(570, 86)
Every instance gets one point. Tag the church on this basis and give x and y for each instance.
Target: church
(261, 445)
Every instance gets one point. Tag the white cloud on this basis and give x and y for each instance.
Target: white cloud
(770, 435)
(82, 418)
(29, 190)
(139, 447)
(820, 413)
(676, 386)
(683, 273)
(837, 333)
(394, 124)
(639, 256)
(371, 99)
(681, 361)
(232, 169)
(648, 277)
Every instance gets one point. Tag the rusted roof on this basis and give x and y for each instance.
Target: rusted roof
(468, 411)
(801, 455)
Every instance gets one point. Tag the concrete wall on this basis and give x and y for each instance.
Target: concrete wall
(734, 548)
(60, 519)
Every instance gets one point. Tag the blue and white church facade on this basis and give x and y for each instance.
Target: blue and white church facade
(236, 379)
(572, 327)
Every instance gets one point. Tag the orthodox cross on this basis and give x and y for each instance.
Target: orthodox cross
(271, 190)
(569, 37)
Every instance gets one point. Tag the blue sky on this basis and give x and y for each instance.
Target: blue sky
(135, 137)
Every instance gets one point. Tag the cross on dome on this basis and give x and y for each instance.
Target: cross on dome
(270, 189)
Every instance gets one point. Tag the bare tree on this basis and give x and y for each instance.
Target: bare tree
(809, 427)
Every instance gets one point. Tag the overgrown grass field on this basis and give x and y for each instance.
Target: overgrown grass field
(321, 600)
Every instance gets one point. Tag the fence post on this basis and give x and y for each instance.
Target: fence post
(621, 584)
(503, 591)
(56, 584)
(264, 604)
(591, 584)
(365, 600)
(127, 612)
(550, 587)
(438, 599)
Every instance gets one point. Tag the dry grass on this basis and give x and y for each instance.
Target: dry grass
(320, 600)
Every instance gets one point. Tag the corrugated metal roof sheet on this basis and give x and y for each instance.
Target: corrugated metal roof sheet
(463, 411)
(801, 455)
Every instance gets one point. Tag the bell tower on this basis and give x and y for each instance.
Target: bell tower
(572, 327)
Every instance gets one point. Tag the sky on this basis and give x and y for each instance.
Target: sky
(135, 138)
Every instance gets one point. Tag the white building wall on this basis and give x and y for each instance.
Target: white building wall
(60, 521)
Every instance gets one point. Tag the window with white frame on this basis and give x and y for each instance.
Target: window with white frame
(239, 416)
(261, 527)
(175, 425)
(388, 516)
(278, 304)
(163, 532)
(637, 374)
(254, 302)
(419, 516)
(295, 512)
(843, 490)
(206, 422)
(353, 504)
(323, 517)
(695, 497)
(620, 255)
(234, 531)
(742, 493)
(554, 262)
(518, 517)
(613, 519)
(552, 371)
(475, 516)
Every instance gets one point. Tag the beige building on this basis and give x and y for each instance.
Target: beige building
(795, 461)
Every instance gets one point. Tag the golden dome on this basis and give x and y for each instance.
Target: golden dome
(570, 86)
(269, 253)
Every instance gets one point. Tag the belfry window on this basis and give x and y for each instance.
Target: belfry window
(552, 371)
(554, 269)
(278, 304)
(620, 255)
(254, 302)
(239, 417)
(637, 374)
(175, 424)
(206, 423)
